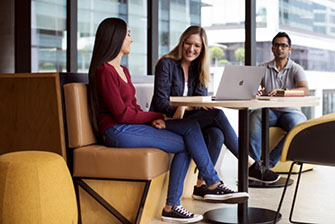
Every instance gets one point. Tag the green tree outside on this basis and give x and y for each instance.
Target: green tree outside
(224, 62)
(216, 53)
(240, 54)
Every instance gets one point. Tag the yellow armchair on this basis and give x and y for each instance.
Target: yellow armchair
(309, 142)
(275, 135)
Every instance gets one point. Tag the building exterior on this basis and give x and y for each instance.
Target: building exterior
(310, 24)
(61, 34)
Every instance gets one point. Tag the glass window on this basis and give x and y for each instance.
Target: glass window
(134, 12)
(328, 99)
(332, 19)
(311, 29)
(48, 35)
(224, 25)
(309, 111)
(137, 20)
(320, 17)
(164, 27)
(174, 17)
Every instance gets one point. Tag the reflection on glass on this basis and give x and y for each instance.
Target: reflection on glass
(309, 111)
(137, 21)
(48, 36)
(134, 12)
(224, 24)
(328, 100)
(174, 17)
(311, 26)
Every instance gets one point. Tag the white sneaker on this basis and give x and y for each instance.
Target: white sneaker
(223, 194)
(180, 215)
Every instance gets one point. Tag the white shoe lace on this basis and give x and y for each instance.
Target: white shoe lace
(226, 188)
(183, 211)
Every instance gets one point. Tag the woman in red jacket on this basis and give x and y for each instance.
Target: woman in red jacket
(120, 122)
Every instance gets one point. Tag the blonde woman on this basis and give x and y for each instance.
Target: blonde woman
(184, 71)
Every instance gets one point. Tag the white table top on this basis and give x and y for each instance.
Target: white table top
(261, 102)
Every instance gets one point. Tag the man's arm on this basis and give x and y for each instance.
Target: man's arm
(304, 86)
(300, 79)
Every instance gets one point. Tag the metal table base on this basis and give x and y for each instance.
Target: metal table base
(229, 215)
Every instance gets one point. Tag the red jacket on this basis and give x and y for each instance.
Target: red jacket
(117, 102)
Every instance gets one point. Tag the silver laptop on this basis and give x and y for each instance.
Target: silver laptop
(239, 82)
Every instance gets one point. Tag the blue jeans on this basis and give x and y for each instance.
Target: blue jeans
(217, 130)
(181, 137)
(284, 120)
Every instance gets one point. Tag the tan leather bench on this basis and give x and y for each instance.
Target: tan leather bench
(131, 170)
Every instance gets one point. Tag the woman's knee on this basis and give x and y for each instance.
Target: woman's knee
(183, 126)
(213, 133)
(191, 124)
(218, 114)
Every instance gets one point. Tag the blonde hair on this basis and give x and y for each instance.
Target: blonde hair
(203, 59)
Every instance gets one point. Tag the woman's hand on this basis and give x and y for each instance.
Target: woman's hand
(207, 108)
(165, 117)
(159, 124)
(179, 113)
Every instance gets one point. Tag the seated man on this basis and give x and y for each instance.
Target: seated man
(281, 73)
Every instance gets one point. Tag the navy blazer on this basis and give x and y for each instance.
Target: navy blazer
(169, 81)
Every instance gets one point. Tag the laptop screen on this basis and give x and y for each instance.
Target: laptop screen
(239, 82)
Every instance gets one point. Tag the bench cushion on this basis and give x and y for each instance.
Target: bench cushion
(98, 161)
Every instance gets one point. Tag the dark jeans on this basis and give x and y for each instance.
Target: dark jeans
(181, 137)
(217, 130)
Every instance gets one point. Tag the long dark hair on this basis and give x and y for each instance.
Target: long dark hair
(109, 38)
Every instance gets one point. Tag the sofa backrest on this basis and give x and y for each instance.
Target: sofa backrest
(31, 113)
(144, 92)
(80, 131)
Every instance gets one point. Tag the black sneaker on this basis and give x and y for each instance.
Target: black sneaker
(199, 192)
(181, 215)
(224, 194)
(260, 173)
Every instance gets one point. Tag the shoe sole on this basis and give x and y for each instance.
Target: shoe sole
(264, 181)
(181, 220)
(235, 198)
(196, 197)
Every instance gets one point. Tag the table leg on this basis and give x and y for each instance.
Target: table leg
(243, 148)
(265, 137)
(242, 214)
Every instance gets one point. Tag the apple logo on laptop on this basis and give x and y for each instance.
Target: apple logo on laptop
(241, 83)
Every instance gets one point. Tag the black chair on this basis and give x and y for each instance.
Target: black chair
(309, 142)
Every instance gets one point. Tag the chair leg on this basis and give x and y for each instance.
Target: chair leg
(295, 194)
(143, 199)
(76, 188)
(283, 194)
(101, 201)
(294, 197)
(79, 182)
